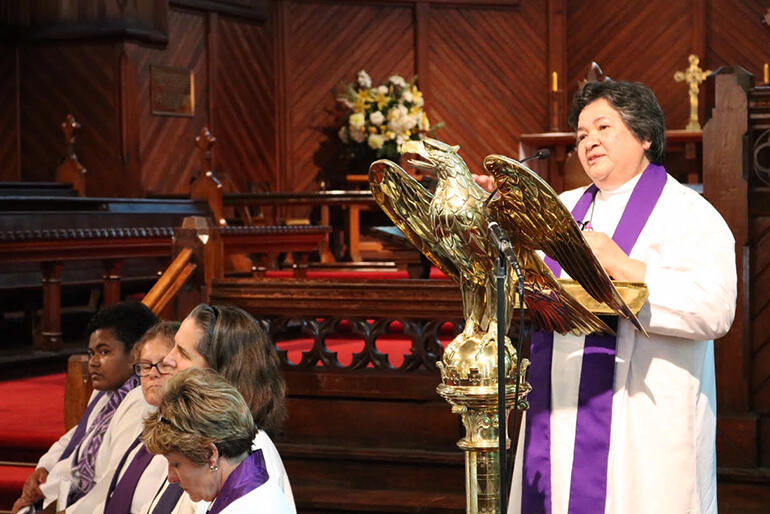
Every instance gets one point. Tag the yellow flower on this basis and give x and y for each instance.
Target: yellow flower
(382, 100)
(363, 99)
(372, 130)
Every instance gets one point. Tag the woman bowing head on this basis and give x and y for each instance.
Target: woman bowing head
(205, 430)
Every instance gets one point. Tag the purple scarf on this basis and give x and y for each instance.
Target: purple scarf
(588, 486)
(85, 457)
(80, 431)
(250, 474)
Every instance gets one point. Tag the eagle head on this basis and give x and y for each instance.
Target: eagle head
(434, 156)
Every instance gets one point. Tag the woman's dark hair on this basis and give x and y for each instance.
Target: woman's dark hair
(637, 106)
(236, 346)
(128, 321)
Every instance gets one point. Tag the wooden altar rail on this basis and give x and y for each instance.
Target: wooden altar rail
(352, 201)
(363, 437)
(563, 170)
(52, 248)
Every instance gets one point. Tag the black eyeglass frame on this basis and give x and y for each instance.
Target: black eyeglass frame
(140, 366)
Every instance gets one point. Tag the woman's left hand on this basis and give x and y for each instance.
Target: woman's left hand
(619, 266)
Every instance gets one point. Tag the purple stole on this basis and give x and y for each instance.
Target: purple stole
(121, 492)
(588, 485)
(168, 499)
(80, 431)
(250, 474)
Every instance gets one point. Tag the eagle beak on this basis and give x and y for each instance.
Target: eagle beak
(418, 156)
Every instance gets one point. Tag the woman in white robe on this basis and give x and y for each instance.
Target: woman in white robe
(205, 430)
(663, 401)
(85, 455)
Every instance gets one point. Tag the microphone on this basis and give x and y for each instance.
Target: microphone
(542, 153)
(504, 245)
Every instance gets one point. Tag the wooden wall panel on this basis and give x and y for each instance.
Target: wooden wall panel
(166, 142)
(244, 114)
(327, 44)
(639, 41)
(80, 79)
(736, 35)
(760, 314)
(9, 142)
(488, 77)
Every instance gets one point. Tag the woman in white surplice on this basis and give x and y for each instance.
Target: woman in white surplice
(205, 430)
(228, 340)
(661, 455)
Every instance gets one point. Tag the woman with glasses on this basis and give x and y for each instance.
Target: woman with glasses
(139, 473)
(205, 430)
(227, 339)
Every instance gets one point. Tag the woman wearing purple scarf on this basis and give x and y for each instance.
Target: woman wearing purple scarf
(83, 456)
(627, 424)
(205, 430)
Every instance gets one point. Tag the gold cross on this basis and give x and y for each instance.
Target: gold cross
(693, 75)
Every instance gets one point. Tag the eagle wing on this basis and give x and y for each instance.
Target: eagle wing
(531, 211)
(407, 203)
(551, 305)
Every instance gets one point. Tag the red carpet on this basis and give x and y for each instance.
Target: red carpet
(32, 410)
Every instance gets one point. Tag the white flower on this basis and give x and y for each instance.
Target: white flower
(359, 136)
(397, 80)
(356, 120)
(364, 80)
(407, 96)
(376, 118)
(382, 89)
(376, 141)
(401, 139)
(343, 135)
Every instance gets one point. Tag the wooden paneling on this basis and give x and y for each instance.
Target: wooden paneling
(80, 79)
(166, 142)
(244, 114)
(644, 42)
(327, 44)
(9, 142)
(760, 313)
(736, 35)
(488, 73)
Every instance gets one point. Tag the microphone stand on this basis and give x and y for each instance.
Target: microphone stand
(506, 254)
(502, 425)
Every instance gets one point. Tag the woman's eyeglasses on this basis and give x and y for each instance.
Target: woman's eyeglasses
(143, 369)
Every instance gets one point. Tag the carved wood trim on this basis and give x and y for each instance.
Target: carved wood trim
(251, 10)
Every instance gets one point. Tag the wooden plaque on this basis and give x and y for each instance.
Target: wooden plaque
(172, 91)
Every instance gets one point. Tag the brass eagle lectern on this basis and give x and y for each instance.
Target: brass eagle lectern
(451, 228)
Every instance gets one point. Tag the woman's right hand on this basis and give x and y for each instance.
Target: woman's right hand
(31, 492)
(487, 182)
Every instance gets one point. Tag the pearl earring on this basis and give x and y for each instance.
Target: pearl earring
(214, 467)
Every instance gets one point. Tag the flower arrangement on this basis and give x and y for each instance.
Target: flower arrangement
(380, 119)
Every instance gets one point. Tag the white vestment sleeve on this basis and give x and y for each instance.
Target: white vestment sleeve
(692, 280)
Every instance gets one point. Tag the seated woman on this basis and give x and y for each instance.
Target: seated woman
(205, 430)
(83, 456)
(138, 473)
(228, 340)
